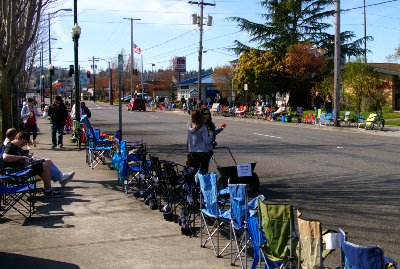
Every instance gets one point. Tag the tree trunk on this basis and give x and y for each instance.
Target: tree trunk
(6, 104)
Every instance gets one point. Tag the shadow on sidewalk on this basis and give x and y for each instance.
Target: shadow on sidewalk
(11, 260)
(49, 211)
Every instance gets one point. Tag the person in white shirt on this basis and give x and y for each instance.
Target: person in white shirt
(279, 111)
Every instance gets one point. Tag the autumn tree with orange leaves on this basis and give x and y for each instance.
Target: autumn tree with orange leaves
(303, 67)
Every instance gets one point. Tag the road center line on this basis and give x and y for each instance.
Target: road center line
(272, 136)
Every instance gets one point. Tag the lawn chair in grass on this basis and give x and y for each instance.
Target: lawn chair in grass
(355, 256)
(375, 121)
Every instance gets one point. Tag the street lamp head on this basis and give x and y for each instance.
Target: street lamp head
(42, 76)
(50, 67)
(76, 31)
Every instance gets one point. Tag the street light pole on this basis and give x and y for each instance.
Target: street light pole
(76, 32)
(50, 67)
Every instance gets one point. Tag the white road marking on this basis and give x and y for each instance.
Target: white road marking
(272, 136)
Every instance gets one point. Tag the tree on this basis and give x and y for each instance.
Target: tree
(18, 29)
(258, 69)
(362, 86)
(288, 22)
(223, 77)
(303, 66)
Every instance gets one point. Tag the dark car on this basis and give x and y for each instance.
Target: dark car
(137, 104)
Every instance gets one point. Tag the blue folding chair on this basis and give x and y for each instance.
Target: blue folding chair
(97, 149)
(363, 257)
(211, 213)
(17, 189)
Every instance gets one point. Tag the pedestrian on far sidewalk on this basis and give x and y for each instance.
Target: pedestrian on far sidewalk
(29, 115)
(58, 114)
(85, 110)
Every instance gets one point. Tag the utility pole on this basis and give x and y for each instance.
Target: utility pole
(94, 59)
(337, 63)
(110, 92)
(365, 34)
(132, 58)
(200, 24)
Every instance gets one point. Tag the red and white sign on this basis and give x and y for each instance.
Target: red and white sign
(180, 64)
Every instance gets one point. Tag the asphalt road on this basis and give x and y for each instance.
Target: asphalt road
(344, 178)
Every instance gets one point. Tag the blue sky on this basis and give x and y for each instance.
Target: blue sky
(165, 30)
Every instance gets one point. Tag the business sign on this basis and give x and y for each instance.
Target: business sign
(179, 64)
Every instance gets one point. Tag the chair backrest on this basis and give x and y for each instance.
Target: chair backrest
(319, 111)
(347, 115)
(310, 233)
(299, 111)
(123, 150)
(371, 117)
(277, 224)
(238, 204)
(209, 193)
(329, 117)
(366, 257)
(307, 118)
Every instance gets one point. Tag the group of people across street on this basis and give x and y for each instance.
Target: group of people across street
(318, 102)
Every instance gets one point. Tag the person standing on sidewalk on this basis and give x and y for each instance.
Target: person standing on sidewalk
(317, 102)
(58, 114)
(29, 115)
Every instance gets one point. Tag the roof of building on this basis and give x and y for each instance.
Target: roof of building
(386, 68)
(205, 79)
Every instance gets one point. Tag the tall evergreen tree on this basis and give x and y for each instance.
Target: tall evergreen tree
(288, 22)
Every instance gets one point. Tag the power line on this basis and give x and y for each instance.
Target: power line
(370, 5)
(165, 42)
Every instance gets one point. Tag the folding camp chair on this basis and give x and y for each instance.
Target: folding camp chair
(97, 149)
(329, 119)
(257, 237)
(277, 222)
(366, 257)
(311, 247)
(19, 196)
(17, 189)
(238, 213)
(211, 212)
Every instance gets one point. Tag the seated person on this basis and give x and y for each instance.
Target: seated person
(268, 112)
(14, 156)
(10, 135)
(279, 111)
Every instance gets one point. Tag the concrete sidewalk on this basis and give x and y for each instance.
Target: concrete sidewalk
(95, 225)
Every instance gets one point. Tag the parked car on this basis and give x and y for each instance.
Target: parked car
(137, 104)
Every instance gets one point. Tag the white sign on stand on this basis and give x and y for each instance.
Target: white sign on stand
(244, 170)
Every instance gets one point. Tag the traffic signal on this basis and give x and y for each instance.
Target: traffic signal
(135, 72)
(88, 74)
(71, 71)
